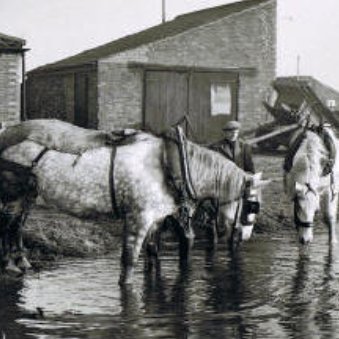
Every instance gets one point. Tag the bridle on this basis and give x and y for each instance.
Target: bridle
(247, 204)
(297, 220)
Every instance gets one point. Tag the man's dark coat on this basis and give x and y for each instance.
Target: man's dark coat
(239, 152)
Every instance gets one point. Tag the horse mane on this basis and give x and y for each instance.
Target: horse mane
(205, 164)
(307, 163)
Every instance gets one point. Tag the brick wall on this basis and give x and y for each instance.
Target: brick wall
(246, 39)
(46, 97)
(52, 95)
(10, 91)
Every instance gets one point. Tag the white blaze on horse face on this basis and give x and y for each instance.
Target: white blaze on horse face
(307, 200)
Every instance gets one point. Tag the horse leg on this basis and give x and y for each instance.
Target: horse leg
(330, 216)
(9, 262)
(212, 236)
(134, 234)
(21, 259)
(127, 256)
(152, 250)
(183, 230)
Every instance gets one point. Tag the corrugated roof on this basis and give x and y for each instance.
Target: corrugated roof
(10, 42)
(171, 28)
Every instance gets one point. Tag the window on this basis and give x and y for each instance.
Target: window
(221, 99)
(331, 104)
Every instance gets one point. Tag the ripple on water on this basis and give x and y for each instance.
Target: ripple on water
(271, 288)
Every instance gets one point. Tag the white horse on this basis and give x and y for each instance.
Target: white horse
(80, 185)
(311, 181)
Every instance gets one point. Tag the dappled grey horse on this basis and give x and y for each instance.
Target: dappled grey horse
(312, 179)
(132, 181)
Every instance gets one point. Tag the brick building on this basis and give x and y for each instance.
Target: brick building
(212, 65)
(12, 68)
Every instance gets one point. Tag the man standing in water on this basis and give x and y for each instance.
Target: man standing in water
(233, 148)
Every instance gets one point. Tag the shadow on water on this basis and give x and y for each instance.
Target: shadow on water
(10, 309)
(229, 296)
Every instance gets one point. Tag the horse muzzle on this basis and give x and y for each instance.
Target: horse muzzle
(246, 232)
(305, 235)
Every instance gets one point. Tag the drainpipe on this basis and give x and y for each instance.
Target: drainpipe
(23, 92)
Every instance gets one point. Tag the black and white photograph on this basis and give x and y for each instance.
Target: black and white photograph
(169, 169)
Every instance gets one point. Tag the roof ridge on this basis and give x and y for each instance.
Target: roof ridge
(151, 34)
(224, 6)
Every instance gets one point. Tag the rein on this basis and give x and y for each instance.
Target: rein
(115, 208)
(184, 165)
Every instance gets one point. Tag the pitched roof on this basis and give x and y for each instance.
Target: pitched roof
(168, 29)
(10, 42)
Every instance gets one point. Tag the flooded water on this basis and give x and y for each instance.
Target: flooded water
(271, 288)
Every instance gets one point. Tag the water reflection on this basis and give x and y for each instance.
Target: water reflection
(311, 303)
(325, 318)
(271, 288)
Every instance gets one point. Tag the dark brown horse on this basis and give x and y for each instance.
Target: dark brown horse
(17, 193)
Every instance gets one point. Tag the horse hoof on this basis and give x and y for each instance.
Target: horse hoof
(23, 263)
(126, 278)
(13, 270)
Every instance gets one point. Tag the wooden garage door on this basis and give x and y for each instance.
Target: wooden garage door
(165, 99)
(81, 100)
(213, 102)
(209, 99)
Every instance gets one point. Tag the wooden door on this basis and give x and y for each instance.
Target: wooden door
(81, 100)
(212, 102)
(166, 99)
(208, 99)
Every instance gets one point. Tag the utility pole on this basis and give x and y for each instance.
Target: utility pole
(163, 11)
(298, 66)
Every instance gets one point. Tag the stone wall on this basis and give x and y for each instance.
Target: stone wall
(10, 90)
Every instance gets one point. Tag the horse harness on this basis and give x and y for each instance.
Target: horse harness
(185, 189)
(116, 211)
(328, 142)
(250, 204)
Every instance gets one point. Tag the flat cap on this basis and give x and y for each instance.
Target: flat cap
(230, 125)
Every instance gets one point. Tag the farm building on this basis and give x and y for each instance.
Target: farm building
(12, 69)
(212, 65)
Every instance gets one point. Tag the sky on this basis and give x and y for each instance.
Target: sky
(307, 30)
